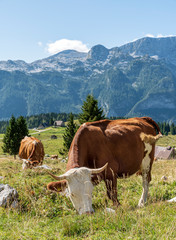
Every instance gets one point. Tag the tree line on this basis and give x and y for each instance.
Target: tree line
(35, 121)
(18, 128)
(167, 128)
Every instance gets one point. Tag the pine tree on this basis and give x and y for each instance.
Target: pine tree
(10, 140)
(15, 132)
(172, 129)
(69, 134)
(51, 122)
(22, 128)
(90, 110)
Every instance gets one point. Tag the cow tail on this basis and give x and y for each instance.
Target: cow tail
(149, 138)
(153, 123)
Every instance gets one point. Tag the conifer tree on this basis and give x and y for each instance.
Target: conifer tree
(69, 134)
(90, 110)
(15, 132)
(51, 122)
(22, 128)
(10, 140)
(172, 129)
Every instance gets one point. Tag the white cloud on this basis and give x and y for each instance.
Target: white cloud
(40, 44)
(65, 44)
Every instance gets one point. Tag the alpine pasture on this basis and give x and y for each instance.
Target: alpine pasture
(45, 215)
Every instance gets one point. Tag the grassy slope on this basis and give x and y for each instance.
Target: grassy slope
(45, 215)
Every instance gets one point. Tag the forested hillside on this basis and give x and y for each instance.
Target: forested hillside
(136, 79)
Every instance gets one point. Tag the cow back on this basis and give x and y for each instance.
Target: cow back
(31, 148)
(117, 142)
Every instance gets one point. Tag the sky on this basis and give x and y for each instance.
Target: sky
(36, 29)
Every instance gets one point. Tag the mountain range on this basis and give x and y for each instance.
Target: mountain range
(136, 79)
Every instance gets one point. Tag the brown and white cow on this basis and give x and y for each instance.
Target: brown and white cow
(126, 145)
(54, 156)
(31, 151)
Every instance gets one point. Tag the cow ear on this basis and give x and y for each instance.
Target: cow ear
(57, 186)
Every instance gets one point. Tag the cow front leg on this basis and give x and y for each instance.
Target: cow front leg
(111, 186)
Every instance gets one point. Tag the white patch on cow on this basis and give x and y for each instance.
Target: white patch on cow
(34, 142)
(25, 164)
(80, 189)
(145, 167)
(146, 160)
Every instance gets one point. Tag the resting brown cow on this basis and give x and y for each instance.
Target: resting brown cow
(31, 152)
(126, 145)
(54, 156)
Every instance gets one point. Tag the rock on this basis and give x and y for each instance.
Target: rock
(53, 137)
(164, 178)
(63, 160)
(172, 200)
(44, 167)
(8, 196)
(110, 210)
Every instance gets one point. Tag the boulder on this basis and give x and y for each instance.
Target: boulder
(8, 196)
(172, 200)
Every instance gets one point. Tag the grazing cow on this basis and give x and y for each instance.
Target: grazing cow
(31, 152)
(54, 156)
(126, 145)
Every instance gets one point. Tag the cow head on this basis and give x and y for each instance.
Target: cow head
(29, 164)
(80, 187)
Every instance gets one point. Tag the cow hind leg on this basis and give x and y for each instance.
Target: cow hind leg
(146, 177)
(111, 186)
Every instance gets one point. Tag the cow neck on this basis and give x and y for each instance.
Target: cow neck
(72, 164)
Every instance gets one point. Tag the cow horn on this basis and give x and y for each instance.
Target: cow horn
(98, 170)
(61, 177)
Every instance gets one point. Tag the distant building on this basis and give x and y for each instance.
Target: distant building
(59, 124)
(165, 152)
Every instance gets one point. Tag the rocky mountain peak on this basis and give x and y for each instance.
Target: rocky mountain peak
(98, 53)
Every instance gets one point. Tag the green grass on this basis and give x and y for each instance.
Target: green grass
(51, 146)
(169, 140)
(45, 215)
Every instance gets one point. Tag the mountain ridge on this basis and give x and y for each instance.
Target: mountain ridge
(127, 81)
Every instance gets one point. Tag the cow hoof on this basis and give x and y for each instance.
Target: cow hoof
(116, 204)
(141, 205)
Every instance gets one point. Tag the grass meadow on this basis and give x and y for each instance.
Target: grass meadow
(49, 216)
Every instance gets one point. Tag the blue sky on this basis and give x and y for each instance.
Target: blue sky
(35, 29)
